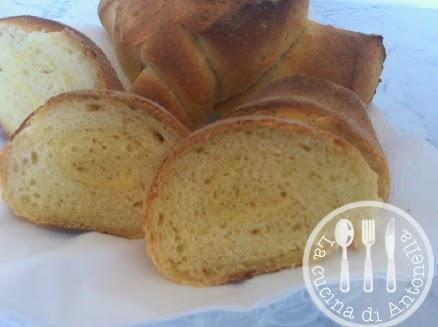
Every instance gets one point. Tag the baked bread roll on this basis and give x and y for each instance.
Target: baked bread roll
(41, 58)
(324, 105)
(259, 186)
(193, 56)
(86, 160)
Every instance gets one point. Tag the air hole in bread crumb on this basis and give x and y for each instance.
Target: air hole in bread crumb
(138, 204)
(305, 147)
(283, 194)
(1, 69)
(32, 182)
(160, 219)
(180, 248)
(36, 195)
(255, 231)
(34, 157)
(313, 174)
(25, 198)
(159, 137)
(81, 169)
(296, 227)
(93, 107)
(199, 149)
(207, 181)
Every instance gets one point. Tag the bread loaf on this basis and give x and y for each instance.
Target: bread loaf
(194, 57)
(258, 187)
(39, 59)
(326, 106)
(86, 160)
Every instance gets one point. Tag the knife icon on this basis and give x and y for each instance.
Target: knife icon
(389, 246)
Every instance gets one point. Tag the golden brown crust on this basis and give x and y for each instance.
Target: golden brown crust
(106, 72)
(350, 59)
(150, 84)
(320, 98)
(134, 101)
(196, 47)
(242, 123)
(213, 55)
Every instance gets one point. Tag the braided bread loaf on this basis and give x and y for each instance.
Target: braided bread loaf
(193, 57)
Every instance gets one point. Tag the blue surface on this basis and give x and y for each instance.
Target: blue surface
(407, 95)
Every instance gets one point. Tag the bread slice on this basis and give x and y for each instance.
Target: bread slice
(327, 106)
(41, 58)
(86, 160)
(259, 186)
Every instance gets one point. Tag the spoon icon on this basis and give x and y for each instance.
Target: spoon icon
(344, 235)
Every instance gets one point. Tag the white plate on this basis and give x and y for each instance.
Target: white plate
(90, 279)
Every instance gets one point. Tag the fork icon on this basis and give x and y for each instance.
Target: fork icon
(368, 239)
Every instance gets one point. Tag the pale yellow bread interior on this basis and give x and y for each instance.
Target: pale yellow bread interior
(239, 198)
(86, 160)
(326, 106)
(40, 59)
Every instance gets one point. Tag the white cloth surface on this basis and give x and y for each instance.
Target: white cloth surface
(90, 279)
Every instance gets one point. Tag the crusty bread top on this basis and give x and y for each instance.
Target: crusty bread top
(194, 57)
(106, 72)
(205, 51)
(302, 94)
(135, 102)
(351, 59)
(338, 99)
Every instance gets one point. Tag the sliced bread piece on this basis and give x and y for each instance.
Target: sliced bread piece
(86, 160)
(327, 106)
(259, 185)
(41, 58)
